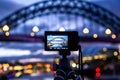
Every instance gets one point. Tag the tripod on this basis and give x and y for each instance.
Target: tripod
(64, 71)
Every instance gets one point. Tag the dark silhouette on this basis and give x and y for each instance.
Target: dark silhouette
(3, 77)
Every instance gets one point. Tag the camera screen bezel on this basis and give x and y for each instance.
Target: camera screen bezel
(72, 40)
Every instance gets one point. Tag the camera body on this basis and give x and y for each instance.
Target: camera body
(64, 42)
(61, 41)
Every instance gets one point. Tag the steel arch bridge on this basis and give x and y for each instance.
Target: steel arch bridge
(77, 7)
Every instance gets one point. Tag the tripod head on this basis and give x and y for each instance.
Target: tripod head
(64, 63)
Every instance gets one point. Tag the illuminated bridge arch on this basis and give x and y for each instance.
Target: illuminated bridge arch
(84, 9)
(76, 7)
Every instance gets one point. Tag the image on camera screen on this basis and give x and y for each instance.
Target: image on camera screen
(57, 42)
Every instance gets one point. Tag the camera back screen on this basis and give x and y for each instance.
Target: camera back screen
(57, 42)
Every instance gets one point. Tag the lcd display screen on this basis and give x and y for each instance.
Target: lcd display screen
(57, 42)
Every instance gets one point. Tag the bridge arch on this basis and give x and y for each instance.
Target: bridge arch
(76, 7)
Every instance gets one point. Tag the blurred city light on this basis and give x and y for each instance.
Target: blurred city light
(96, 57)
(11, 68)
(1, 66)
(32, 34)
(39, 64)
(18, 67)
(35, 29)
(85, 30)
(118, 57)
(103, 56)
(6, 28)
(6, 65)
(47, 65)
(7, 33)
(85, 66)
(98, 72)
(97, 69)
(62, 29)
(100, 56)
(5, 68)
(113, 36)
(28, 71)
(95, 35)
(48, 70)
(57, 60)
(18, 74)
(1, 29)
(115, 53)
(104, 49)
(84, 59)
(29, 66)
(1, 70)
(89, 58)
(74, 65)
(107, 31)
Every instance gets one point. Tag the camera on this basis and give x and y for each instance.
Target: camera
(61, 41)
(64, 42)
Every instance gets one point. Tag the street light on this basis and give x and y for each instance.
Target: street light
(32, 34)
(113, 36)
(35, 29)
(6, 28)
(85, 30)
(62, 29)
(95, 35)
(107, 31)
(7, 33)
